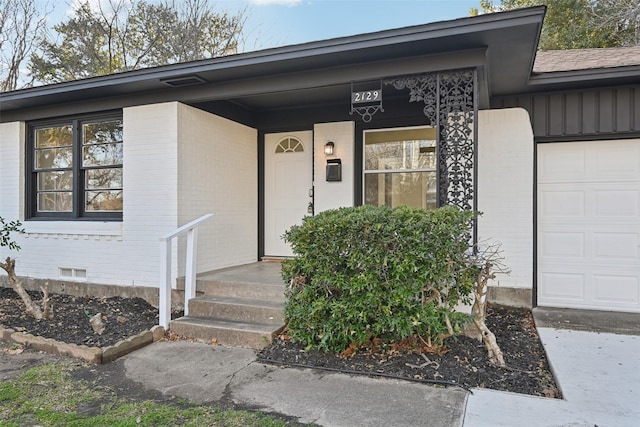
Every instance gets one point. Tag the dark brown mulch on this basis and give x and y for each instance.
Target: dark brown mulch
(465, 363)
(124, 317)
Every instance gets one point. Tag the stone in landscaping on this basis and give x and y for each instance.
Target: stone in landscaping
(97, 324)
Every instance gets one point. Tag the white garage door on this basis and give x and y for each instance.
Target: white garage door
(589, 225)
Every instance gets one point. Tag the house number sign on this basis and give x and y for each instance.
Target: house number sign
(366, 102)
(366, 96)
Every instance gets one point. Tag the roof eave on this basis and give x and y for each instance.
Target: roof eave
(264, 58)
(588, 77)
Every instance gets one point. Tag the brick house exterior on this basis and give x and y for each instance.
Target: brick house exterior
(195, 140)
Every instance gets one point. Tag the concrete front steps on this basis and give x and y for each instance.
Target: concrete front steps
(239, 306)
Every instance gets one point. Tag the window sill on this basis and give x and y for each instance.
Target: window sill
(82, 228)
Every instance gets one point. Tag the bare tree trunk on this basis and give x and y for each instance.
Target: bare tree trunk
(45, 313)
(478, 328)
(490, 343)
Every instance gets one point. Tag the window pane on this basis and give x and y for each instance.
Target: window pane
(102, 154)
(289, 145)
(103, 179)
(103, 201)
(55, 202)
(78, 162)
(102, 132)
(56, 180)
(54, 158)
(398, 155)
(414, 189)
(60, 136)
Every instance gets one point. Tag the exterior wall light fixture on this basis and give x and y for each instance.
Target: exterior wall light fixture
(328, 148)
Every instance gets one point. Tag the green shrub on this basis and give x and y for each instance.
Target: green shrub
(366, 272)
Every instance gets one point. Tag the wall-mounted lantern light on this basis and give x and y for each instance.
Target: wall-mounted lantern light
(328, 148)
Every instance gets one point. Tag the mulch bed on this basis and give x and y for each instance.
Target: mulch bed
(123, 317)
(464, 363)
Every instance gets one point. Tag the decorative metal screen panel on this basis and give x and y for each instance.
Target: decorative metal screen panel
(451, 106)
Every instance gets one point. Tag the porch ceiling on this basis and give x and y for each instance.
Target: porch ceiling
(501, 45)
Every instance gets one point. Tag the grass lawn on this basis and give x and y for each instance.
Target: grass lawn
(47, 396)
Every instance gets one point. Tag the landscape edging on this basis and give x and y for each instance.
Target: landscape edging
(97, 355)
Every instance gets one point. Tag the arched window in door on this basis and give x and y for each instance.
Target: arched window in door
(289, 144)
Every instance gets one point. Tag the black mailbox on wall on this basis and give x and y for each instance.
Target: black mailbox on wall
(334, 170)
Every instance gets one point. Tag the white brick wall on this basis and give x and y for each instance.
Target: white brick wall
(179, 162)
(42, 253)
(505, 190)
(332, 195)
(150, 186)
(11, 168)
(218, 173)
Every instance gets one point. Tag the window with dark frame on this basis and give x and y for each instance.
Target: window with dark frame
(74, 169)
(400, 167)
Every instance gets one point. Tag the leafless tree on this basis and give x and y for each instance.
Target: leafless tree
(111, 36)
(22, 29)
(623, 15)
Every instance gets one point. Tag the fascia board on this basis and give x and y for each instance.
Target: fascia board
(580, 76)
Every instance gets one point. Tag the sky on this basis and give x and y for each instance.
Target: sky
(283, 22)
(273, 23)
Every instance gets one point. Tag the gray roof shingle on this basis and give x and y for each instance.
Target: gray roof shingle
(548, 61)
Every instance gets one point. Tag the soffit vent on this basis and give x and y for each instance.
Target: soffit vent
(183, 81)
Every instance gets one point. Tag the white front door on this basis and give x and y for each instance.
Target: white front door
(288, 181)
(589, 225)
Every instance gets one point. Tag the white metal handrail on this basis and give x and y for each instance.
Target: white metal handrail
(191, 229)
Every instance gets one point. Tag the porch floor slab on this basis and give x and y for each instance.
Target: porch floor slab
(257, 272)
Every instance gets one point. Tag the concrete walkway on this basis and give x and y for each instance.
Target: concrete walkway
(598, 374)
(214, 374)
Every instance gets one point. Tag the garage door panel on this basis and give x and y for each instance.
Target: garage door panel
(613, 202)
(588, 223)
(615, 160)
(590, 200)
(559, 162)
(593, 161)
(617, 289)
(562, 203)
(562, 287)
(616, 246)
(562, 244)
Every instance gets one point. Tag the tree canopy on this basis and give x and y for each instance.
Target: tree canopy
(580, 24)
(123, 35)
(109, 36)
